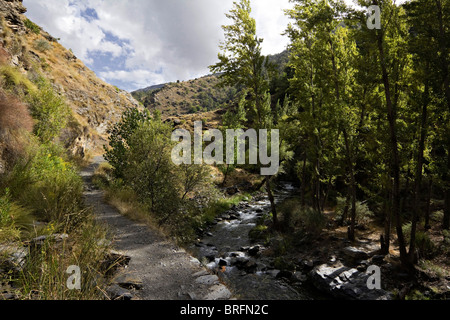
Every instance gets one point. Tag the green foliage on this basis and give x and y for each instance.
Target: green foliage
(47, 184)
(260, 232)
(14, 80)
(42, 45)
(119, 135)
(241, 63)
(296, 217)
(424, 244)
(363, 214)
(32, 26)
(151, 171)
(49, 109)
(14, 219)
(141, 159)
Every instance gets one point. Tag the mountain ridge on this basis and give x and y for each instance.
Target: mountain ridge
(33, 52)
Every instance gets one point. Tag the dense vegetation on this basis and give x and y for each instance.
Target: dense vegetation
(41, 196)
(187, 97)
(364, 114)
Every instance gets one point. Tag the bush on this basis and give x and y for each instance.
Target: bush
(47, 183)
(363, 213)
(424, 245)
(117, 153)
(50, 110)
(14, 219)
(15, 81)
(295, 217)
(32, 26)
(44, 274)
(42, 45)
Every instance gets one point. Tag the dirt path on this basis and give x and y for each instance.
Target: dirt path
(167, 271)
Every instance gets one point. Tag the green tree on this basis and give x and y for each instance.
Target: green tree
(116, 153)
(241, 63)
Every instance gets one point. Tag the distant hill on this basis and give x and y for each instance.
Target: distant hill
(29, 51)
(196, 96)
(186, 97)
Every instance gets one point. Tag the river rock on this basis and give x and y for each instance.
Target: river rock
(207, 280)
(250, 266)
(253, 251)
(116, 292)
(284, 274)
(354, 254)
(241, 261)
(128, 281)
(231, 191)
(345, 283)
(223, 263)
(218, 292)
(13, 257)
(378, 259)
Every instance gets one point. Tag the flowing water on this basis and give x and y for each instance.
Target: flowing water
(228, 251)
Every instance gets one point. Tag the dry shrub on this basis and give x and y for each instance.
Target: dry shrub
(4, 55)
(15, 124)
(14, 115)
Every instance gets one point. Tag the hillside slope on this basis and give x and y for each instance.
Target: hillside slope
(187, 97)
(32, 52)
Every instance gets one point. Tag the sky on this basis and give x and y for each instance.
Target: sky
(134, 44)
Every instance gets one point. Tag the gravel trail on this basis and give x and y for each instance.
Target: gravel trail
(167, 271)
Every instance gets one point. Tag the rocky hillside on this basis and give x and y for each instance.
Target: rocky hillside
(204, 95)
(187, 97)
(29, 50)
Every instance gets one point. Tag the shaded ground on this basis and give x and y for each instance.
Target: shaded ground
(167, 271)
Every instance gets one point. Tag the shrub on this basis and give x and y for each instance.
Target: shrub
(32, 26)
(42, 45)
(47, 183)
(50, 110)
(44, 274)
(119, 135)
(14, 115)
(16, 124)
(151, 172)
(14, 219)
(294, 216)
(424, 245)
(363, 213)
(15, 81)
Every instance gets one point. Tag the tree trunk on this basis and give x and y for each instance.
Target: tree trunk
(445, 75)
(446, 222)
(386, 238)
(428, 205)
(392, 119)
(351, 234)
(303, 185)
(272, 205)
(418, 178)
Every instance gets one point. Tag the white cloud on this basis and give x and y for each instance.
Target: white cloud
(154, 40)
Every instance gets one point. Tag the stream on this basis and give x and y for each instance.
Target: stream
(228, 251)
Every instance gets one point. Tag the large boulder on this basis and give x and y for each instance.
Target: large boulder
(345, 283)
(354, 254)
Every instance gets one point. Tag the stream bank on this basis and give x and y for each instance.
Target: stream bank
(254, 272)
